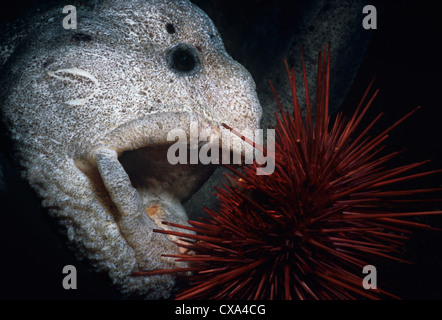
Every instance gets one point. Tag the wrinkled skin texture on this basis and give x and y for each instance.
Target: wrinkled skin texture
(85, 107)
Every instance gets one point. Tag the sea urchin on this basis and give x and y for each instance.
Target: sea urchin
(307, 230)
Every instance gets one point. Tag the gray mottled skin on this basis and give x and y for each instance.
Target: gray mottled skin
(89, 111)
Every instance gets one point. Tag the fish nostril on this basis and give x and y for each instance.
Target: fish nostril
(81, 37)
(170, 28)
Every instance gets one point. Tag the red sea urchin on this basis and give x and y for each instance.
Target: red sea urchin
(307, 230)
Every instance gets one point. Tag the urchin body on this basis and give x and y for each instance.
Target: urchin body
(307, 230)
(86, 107)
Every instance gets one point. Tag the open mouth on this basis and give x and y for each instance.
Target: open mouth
(139, 185)
(161, 185)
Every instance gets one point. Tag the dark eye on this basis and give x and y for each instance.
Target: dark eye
(184, 59)
(170, 28)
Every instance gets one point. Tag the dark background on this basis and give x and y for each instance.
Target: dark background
(403, 54)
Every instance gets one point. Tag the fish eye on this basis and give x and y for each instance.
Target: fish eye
(184, 60)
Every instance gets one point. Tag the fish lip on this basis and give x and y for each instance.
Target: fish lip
(138, 133)
(135, 135)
